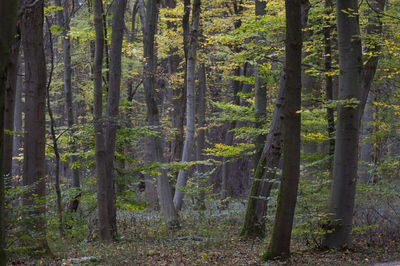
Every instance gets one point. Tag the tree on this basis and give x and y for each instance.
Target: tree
(105, 228)
(354, 84)
(190, 103)
(34, 140)
(8, 16)
(279, 245)
(113, 98)
(149, 20)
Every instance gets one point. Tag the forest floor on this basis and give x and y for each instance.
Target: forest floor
(205, 238)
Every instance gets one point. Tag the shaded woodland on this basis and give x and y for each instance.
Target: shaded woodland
(179, 132)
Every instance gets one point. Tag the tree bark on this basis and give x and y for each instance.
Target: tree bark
(354, 82)
(35, 122)
(8, 16)
(367, 147)
(329, 79)
(201, 135)
(113, 98)
(10, 93)
(153, 119)
(265, 173)
(105, 228)
(190, 103)
(279, 245)
(341, 202)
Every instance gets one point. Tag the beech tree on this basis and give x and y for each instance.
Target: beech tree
(34, 174)
(190, 103)
(8, 18)
(279, 245)
(155, 143)
(354, 85)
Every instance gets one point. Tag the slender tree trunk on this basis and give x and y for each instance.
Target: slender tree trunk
(329, 79)
(112, 107)
(35, 123)
(279, 245)
(18, 138)
(190, 103)
(201, 135)
(366, 148)
(153, 119)
(105, 228)
(260, 93)
(53, 135)
(265, 173)
(374, 29)
(63, 21)
(341, 202)
(10, 93)
(8, 16)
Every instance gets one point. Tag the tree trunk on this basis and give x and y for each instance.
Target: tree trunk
(329, 79)
(18, 138)
(10, 93)
(260, 93)
(279, 245)
(366, 147)
(201, 135)
(111, 124)
(63, 21)
(342, 195)
(35, 121)
(190, 103)
(153, 119)
(354, 83)
(8, 15)
(105, 228)
(265, 173)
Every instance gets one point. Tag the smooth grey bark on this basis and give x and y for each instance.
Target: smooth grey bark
(10, 93)
(354, 83)
(341, 202)
(63, 21)
(18, 138)
(279, 245)
(374, 29)
(35, 122)
(155, 142)
(112, 109)
(366, 147)
(201, 134)
(105, 228)
(190, 103)
(8, 17)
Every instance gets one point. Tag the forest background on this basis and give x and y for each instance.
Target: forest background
(136, 131)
